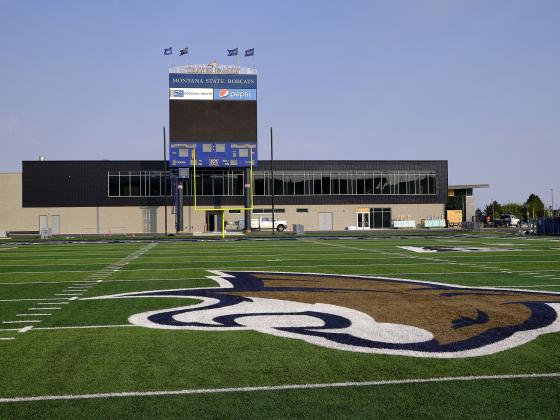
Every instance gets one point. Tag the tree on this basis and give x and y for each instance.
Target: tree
(534, 206)
(518, 210)
(494, 210)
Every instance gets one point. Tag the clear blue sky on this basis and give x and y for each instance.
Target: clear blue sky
(473, 82)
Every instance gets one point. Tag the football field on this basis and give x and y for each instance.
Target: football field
(442, 325)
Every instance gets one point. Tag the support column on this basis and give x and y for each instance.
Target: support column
(247, 190)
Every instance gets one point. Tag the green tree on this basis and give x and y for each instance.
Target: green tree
(494, 210)
(534, 206)
(518, 210)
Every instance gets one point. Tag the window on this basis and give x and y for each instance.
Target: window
(214, 182)
(234, 211)
(125, 185)
(301, 210)
(114, 185)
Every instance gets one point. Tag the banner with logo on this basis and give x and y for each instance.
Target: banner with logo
(213, 81)
(192, 94)
(235, 94)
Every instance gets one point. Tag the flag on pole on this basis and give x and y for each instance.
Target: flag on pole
(232, 52)
(184, 51)
(249, 52)
(168, 51)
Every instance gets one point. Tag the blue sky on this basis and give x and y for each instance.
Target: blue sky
(473, 82)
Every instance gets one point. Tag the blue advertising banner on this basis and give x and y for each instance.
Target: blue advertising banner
(235, 94)
(214, 81)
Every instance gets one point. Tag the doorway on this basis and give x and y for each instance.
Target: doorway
(363, 220)
(213, 221)
(325, 221)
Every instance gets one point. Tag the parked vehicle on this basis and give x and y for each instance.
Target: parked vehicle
(507, 220)
(263, 223)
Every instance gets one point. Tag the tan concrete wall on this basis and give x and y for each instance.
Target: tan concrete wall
(105, 220)
(11, 214)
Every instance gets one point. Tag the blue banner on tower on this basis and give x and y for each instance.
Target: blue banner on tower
(214, 81)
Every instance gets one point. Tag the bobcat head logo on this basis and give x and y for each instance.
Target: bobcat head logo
(362, 314)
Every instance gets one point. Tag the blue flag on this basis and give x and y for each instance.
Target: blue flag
(168, 51)
(249, 52)
(184, 51)
(232, 52)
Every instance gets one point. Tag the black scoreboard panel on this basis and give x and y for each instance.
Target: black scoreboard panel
(213, 121)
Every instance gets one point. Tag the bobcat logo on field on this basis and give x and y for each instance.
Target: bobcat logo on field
(362, 314)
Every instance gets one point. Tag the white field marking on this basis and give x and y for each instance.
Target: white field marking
(84, 327)
(42, 309)
(67, 294)
(439, 258)
(73, 298)
(533, 285)
(12, 273)
(21, 300)
(52, 303)
(7, 338)
(25, 329)
(36, 282)
(285, 387)
(34, 314)
(19, 322)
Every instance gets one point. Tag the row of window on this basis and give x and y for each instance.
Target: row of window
(231, 183)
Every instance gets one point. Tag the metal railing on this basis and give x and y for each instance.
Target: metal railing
(212, 69)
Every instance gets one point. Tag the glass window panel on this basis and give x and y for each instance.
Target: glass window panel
(155, 185)
(343, 182)
(113, 185)
(299, 182)
(237, 184)
(218, 181)
(289, 183)
(422, 184)
(326, 183)
(386, 218)
(335, 183)
(135, 185)
(309, 183)
(378, 184)
(317, 183)
(258, 183)
(125, 184)
(377, 218)
(411, 183)
(385, 185)
(206, 184)
(402, 184)
(360, 183)
(278, 183)
(432, 184)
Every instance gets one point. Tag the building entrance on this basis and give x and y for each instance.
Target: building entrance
(363, 220)
(213, 221)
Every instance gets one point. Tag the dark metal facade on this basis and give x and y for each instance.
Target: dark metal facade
(85, 183)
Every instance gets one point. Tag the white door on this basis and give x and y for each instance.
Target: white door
(55, 224)
(325, 221)
(363, 220)
(43, 222)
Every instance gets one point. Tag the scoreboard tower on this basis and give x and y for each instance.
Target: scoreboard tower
(212, 123)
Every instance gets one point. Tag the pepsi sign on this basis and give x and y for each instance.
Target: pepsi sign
(235, 94)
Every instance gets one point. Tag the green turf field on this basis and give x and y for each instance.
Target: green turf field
(56, 344)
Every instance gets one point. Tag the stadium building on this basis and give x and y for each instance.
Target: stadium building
(213, 178)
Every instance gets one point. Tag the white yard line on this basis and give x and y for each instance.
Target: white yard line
(278, 387)
(85, 327)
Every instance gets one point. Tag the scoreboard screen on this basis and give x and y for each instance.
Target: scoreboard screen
(213, 121)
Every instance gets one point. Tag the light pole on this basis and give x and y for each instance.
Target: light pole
(552, 202)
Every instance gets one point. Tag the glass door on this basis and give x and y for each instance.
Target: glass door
(363, 220)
